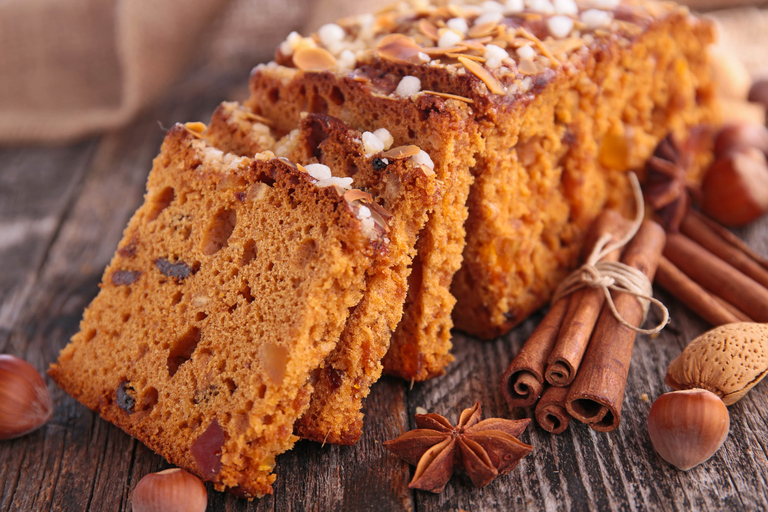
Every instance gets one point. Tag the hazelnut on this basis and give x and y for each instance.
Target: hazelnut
(687, 427)
(758, 93)
(172, 490)
(25, 404)
(735, 188)
(735, 136)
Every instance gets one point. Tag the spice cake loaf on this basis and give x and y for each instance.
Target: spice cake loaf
(553, 102)
(406, 188)
(232, 283)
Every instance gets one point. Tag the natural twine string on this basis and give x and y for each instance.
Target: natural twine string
(616, 276)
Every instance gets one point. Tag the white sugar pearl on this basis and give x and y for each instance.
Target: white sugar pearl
(330, 33)
(526, 52)
(422, 158)
(371, 143)
(514, 6)
(491, 7)
(318, 171)
(458, 24)
(495, 52)
(385, 137)
(408, 86)
(560, 26)
(489, 17)
(542, 6)
(595, 18)
(566, 7)
(449, 38)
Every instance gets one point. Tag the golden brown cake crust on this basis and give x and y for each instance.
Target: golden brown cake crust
(232, 283)
(552, 125)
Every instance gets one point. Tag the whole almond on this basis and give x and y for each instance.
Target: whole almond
(728, 360)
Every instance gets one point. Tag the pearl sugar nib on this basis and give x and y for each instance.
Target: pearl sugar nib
(25, 404)
(687, 427)
(172, 490)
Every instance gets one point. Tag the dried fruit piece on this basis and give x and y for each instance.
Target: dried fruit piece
(178, 270)
(206, 450)
(401, 152)
(728, 360)
(125, 277)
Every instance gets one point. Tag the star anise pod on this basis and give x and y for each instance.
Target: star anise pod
(667, 185)
(485, 449)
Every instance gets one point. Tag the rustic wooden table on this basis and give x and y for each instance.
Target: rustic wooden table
(62, 212)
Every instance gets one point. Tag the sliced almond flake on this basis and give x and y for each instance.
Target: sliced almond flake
(441, 24)
(456, 11)
(500, 42)
(443, 51)
(426, 170)
(399, 48)
(630, 28)
(483, 30)
(354, 194)
(196, 128)
(401, 152)
(483, 74)
(565, 46)
(258, 118)
(540, 45)
(339, 190)
(527, 67)
(361, 78)
(477, 44)
(314, 59)
(449, 96)
(476, 58)
(380, 215)
(601, 32)
(301, 168)
(428, 29)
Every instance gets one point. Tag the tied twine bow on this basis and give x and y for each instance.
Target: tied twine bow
(616, 276)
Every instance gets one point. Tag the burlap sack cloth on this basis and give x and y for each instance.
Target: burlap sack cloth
(69, 68)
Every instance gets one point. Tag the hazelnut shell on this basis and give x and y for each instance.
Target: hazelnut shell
(735, 188)
(25, 404)
(172, 490)
(688, 427)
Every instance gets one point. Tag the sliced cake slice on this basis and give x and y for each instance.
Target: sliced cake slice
(404, 186)
(232, 283)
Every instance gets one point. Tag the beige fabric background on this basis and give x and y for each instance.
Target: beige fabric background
(70, 68)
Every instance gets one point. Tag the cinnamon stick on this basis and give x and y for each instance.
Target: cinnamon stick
(740, 315)
(699, 300)
(523, 381)
(585, 307)
(729, 237)
(717, 276)
(701, 232)
(550, 410)
(596, 395)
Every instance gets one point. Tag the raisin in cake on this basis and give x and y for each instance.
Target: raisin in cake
(407, 189)
(547, 104)
(232, 283)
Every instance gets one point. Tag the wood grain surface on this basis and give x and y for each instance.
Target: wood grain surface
(62, 212)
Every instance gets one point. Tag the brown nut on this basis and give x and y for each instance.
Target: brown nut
(758, 93)
(735, 188)
(25, 404)
(172, 490)
(728, 360)
(688, 427)
(735, 136)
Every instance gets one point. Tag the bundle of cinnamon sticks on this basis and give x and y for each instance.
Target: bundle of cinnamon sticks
(577, 360)
(714, 273)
